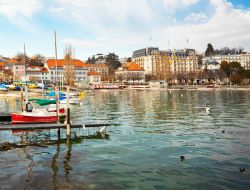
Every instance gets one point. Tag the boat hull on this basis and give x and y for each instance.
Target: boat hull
(24, 118)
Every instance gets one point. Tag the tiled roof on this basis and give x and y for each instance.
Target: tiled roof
(61, 63)
(131, 66)
(96, 65)
(93, 73)
(2, 64)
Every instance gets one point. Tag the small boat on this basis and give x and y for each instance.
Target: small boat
(36, 116)
(105, 86)
(3, 87)
(72, 100)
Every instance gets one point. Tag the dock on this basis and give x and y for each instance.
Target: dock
(9, 126)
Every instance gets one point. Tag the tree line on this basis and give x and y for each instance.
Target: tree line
(210, 51)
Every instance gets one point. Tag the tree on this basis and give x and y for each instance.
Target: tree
(224, 66)
(129, 59)
(209, 51)
(37, 60)
(33, 79)
(91, 60)
(233, 70)
(192, 75)
(69, 66)
(112, 60)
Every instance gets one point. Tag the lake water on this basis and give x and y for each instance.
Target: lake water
(148, 132)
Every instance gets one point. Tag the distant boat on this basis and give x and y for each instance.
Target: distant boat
(105, 86)
(3, 87)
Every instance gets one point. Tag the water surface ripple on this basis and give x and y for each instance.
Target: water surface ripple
(148, 133)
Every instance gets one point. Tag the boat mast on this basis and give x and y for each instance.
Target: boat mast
(56, 87)
(25, 78)
(55, 57)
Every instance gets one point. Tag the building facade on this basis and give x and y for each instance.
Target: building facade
(40, 74)
(162, 65)
(130, 73)
(243, 59)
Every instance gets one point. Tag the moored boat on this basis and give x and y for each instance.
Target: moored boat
(39, 116)
(105, 86)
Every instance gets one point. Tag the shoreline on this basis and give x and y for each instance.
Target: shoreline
(17, 94)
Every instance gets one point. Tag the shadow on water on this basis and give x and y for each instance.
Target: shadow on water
(44, 140)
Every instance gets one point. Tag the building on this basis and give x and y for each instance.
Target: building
(60, 69)
(39, 74)
(243, 59)
(144, 58)
(162, 65)
(211, 64)
(94, 77)
(184, 61)
(78, 69)
(18, 70)
(130, 73)
(102, 69)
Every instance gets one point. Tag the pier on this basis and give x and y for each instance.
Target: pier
(9, 126)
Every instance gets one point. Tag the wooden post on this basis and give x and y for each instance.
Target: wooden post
(68, 114)
(22, 99)
(68, 122)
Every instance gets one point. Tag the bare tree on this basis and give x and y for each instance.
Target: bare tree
(69, 67)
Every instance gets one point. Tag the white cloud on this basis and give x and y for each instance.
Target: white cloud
(123, 26)
(173, 5)
(227, 27)
(196, 18)
(15, 8)
(96, 14)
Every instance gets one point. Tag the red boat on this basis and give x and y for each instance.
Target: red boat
(34, 117)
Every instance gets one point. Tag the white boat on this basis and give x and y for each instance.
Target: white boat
(72, 100)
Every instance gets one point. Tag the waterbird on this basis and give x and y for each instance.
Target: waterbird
(242, 169)
(223, 131)
(182, 158)
(207, 109)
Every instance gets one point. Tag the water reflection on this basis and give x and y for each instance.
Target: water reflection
(150, 130)
(62, 148)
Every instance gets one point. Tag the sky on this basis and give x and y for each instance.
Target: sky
(121, 26)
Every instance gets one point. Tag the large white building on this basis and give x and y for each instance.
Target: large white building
(165, 64)
(243, 59)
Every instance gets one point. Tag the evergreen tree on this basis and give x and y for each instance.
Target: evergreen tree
(112, 60)
(209, 51)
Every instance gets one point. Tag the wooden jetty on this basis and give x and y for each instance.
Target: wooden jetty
(9, 126)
